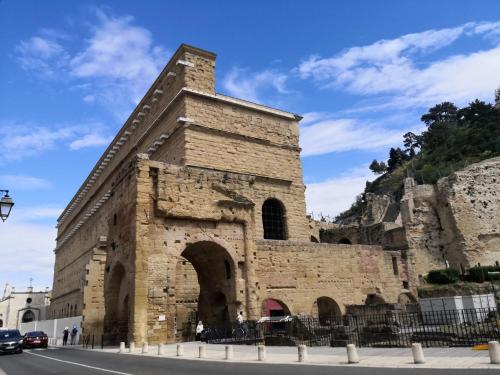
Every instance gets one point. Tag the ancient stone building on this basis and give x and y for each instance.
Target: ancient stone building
(196, 210)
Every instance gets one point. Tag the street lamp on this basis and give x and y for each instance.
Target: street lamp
(6, 204)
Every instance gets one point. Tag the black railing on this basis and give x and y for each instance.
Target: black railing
(392, 329)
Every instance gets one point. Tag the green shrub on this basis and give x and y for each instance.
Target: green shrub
(445, 276)
(481, 274)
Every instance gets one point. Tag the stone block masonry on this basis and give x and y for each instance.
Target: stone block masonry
(196, 211)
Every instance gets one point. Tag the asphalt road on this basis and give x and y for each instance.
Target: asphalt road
(77, 362)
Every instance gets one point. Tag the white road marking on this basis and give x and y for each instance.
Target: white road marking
(77, 364)
(2, 372)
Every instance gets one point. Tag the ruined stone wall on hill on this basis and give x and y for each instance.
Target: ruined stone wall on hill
(455, 222)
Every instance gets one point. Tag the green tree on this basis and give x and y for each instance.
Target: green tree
(378, 167)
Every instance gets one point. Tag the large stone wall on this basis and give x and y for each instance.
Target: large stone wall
(185, 180)
(456, 221)
(298, 273)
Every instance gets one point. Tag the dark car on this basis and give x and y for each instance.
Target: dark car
(11, 341)
(35, 339)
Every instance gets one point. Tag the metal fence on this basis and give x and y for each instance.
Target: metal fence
(392, 329)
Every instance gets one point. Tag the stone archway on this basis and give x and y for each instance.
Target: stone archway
(374, 299)
(326, 309)
(205, 285)
(274, 307)
(116, 320)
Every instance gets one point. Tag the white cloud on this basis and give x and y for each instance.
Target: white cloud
(336, 195)
(403, 69)
(115, 67)
(346, 134)
(27, 251)
(28, 241)
(16, 182)
(90, 140)
(19, 141)
(89, 98)
(242, 84)
(43, 55)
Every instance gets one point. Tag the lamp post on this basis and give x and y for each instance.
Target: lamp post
(6, 204)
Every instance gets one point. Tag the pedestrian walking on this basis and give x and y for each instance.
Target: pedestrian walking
(65, 335)
(199, 330)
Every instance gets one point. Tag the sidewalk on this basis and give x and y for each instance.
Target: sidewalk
(456, 358)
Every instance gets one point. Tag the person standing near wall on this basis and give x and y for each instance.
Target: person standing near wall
(65, 336)
(74, 332)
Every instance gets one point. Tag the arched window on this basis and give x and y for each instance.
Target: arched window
(28, 316)
(273, 220)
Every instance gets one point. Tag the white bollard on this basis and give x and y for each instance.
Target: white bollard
(352, 354)
(418, 353)
(122, 347)
(145, 348)
(180, 350)
(202, 351)
(131, 348)
(261, 352)
(229, 352)
(302, 353)
(161, 349)
(494, 350)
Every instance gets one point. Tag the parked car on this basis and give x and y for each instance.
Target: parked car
(11, 341)
(35, 339)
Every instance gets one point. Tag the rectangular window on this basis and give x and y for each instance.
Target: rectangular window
(395, 266)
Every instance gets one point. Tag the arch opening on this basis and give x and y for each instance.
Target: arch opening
(273, 220)
(1, 323)
(204, 288)
(345, 241)
(374, 299)
(274, 307)
(116, 318)
(326, 310)
(28, 316)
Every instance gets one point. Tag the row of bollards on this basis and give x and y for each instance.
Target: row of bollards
(352, 353)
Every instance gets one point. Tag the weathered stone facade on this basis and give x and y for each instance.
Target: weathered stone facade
(455, 222)
(171, 223)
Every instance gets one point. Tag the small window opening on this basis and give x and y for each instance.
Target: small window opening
(395, 266)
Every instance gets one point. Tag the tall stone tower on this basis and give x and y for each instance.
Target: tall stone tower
(497, 98)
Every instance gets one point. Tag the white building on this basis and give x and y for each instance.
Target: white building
(22, 307)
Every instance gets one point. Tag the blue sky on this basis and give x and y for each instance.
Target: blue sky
(361, 72)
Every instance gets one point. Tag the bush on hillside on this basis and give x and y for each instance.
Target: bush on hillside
(444, 276)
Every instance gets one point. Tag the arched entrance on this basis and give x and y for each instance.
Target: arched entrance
(28, 316)
(274, 307)
(205, 286)
(1, 323)
(117, 306)
(374, 299)
(326, 310)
